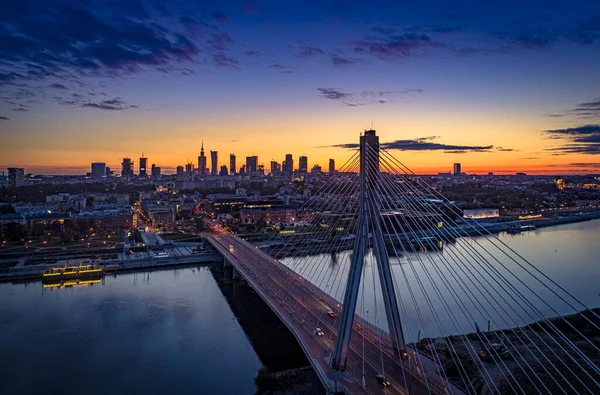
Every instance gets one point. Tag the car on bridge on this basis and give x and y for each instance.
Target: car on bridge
(382, 380)
(319, 332)
(331, 314)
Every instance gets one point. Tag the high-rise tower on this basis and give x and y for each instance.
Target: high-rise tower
(232, 164)
(143, 166)
(213, 163)
(202, 161)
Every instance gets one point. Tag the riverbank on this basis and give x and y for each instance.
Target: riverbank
(35, 272)
(531, 345)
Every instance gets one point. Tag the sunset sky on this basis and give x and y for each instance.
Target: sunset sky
(512, 87)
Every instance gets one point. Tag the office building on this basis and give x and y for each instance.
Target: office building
(232, 164)
(457, 170)
(275, 168)
(108, 172)
(16, 177)
(243, 170)
(260, 170)
(303, 164)
(179, 171)
(202, 162)
(189, 169)
(316, 169)
(331, 166)
(288, 165)
(98, 169)
(143, 166)
(251, 165)
(126, 168)
(155, 171)
(213, 163)
(223, 171)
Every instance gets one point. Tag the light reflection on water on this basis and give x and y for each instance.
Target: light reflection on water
(140, 333)
(566, 254)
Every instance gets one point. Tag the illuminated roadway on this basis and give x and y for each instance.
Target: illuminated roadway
(303, 307)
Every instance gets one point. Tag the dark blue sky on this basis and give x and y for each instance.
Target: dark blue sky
(513, 85)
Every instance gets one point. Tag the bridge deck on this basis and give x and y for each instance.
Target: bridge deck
(303, 307)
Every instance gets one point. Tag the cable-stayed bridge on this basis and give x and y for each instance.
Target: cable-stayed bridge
(383, 257)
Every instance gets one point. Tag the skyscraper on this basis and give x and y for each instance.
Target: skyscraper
(288, 165)
(331, 166)
(189, 169)
(155, 173)
(223, 171)
(98, 169)
(126, 168)
(213, 163)
(179, 171)
(16, 177)
(275, 168)
(303, 164)
(202, 161)
(143, 166)
(251, 165)
(457, 171)
(232, 164)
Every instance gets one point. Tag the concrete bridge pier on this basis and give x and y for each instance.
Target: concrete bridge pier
(235, 274)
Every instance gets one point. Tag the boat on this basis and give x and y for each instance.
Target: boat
(61, 273)
(515, 229)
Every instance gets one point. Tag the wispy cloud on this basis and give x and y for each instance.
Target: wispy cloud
(364, 98)
(308, 51)
(579, 140)
(4, 118)
(585, 110)
(425, 144)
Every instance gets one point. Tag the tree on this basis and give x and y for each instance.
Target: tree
(7, 209)
(15, 231)
(265, 381)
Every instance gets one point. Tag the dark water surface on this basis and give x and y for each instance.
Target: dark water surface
(165, 332)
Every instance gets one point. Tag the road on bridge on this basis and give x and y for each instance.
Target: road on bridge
(303, 308)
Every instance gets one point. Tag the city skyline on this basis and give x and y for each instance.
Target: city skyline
(440, 83)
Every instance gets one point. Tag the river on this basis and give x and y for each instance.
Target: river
(446, 292)
(174, 331)
(139, 333)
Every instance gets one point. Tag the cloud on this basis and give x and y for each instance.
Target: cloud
(308, 51)
(84, 101)
(222, 60)
(424, 144)
(255, 53)
(585, 164)
(392, 45)
(279, 66)
(531, 38)
(110, 105)
(70, 41)
(21, 109)
(365, 97)
(502, 149)
(579, 140)
(585, 110)
(341, 61)
(4, 118)
(332, 93)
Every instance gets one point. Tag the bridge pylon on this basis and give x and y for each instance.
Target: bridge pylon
(368, 235)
